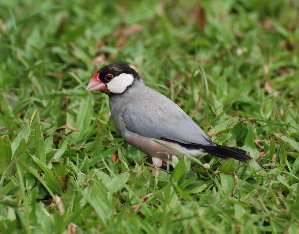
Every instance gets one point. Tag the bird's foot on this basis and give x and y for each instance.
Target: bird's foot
(157, 162)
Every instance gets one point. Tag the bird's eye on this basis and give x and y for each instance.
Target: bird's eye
(109, 77)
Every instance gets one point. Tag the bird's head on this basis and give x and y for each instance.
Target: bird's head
(113, 79)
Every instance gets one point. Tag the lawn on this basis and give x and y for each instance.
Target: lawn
(233, 66)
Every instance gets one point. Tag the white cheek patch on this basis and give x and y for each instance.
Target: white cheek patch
(120, 83)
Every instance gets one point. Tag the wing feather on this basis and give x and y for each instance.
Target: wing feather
(164, 122)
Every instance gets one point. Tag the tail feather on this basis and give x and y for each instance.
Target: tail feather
(217, 150)
(226, 152)
(235, 149)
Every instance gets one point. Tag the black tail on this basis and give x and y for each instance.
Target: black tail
(226, 152)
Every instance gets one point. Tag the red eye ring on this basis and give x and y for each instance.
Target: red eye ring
(109, 77)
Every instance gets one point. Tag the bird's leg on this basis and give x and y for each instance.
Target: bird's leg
(157, 162)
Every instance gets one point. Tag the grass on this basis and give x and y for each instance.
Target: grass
(231, 65)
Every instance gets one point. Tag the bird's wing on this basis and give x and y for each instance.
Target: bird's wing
(165, 121)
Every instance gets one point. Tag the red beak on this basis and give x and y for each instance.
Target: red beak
(95, 84)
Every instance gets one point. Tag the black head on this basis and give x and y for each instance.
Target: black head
(116, 69)
(113, 79)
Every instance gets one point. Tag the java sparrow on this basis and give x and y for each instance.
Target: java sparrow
(142, 115)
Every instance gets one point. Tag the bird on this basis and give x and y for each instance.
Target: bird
(149, 121)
